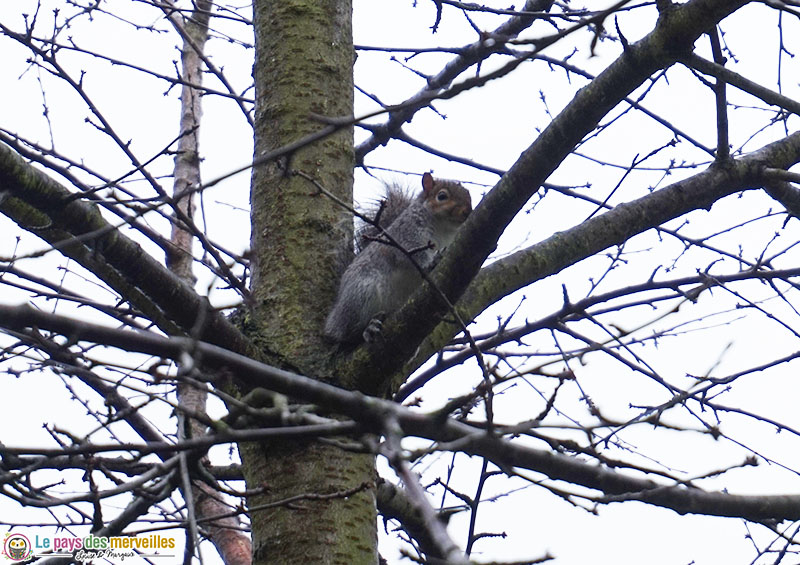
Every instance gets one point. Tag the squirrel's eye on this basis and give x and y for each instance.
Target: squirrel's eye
(442, 196)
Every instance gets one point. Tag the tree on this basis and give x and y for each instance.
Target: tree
(618, 352)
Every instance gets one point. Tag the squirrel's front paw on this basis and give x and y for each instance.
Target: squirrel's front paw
(374, 330)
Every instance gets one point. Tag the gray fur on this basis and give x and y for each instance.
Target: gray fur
(381, 277)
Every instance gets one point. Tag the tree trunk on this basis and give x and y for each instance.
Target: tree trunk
(303, 67)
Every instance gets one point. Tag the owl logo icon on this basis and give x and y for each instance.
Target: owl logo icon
(16, 547)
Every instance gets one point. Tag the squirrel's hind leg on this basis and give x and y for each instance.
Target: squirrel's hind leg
(374, 330)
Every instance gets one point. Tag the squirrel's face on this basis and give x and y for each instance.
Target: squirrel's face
(452, 202)
(461, 211)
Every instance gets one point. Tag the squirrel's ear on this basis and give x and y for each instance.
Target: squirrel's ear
(427, 183)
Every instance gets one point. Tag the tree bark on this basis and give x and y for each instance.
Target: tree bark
(303, 68)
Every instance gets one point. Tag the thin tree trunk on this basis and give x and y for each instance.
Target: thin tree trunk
(202, 501)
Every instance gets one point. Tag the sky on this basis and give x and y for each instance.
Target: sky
(491, 126)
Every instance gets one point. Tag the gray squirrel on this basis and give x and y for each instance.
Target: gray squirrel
(381, 277)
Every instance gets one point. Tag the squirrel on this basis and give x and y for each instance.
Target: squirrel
(381, 277)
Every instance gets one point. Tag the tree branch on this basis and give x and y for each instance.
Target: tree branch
(469, 55)
(374, 413)
(674, 35)
(76, 228)
(694, 61)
